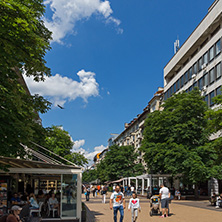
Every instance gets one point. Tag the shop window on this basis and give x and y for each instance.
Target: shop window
(218, 47)
(69, 196)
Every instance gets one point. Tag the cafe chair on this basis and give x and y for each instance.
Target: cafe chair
(51, 209)
(37, 210)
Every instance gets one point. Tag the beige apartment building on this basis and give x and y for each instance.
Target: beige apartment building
(133, 132)
(198, 64)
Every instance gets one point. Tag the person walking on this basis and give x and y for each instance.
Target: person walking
(164, 194)
(87, 193)
(103, 193)
(134, 205)
(117, 203)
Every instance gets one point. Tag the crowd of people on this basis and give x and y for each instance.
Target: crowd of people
(117, 198)
(22, 204)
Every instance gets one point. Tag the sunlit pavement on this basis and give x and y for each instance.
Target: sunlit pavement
(189, 211)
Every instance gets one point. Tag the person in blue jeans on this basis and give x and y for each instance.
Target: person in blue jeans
(117, 203)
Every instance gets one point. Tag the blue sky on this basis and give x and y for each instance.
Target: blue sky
(118, 48)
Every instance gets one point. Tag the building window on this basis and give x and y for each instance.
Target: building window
(174, 88)
(171, 91)
(190, 73)
(195, 84)
(206, 99)
(218, 91)
(178, 84)
(181, 81)
(205, 58)
(200, 83)
(206, 82)
(185, 77)
(211, 76)
(218, 47)
(200, 63)
(195, 68)
(211, 98)
(211, 53)
(218, 70)
(190, 88)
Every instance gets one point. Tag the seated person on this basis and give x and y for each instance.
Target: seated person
(177, 194)
(24, 197)
(213, 199)
(219, 201)
(15, 199)
(41, 196)
(53, 202)
(14, 216)
(33, 201)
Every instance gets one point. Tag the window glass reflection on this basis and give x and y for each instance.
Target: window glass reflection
(69, 195)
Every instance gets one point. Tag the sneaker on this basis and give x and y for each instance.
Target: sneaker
(162, 216)
(217, 207)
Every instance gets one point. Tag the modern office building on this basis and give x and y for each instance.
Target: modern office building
(198, 64)
(198, 61)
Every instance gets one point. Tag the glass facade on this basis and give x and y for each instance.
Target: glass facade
(69, 196)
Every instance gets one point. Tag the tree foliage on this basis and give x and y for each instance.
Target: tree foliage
(59, 141)
(119, 161)
(89, 176)
(176, 139)
(24, 41)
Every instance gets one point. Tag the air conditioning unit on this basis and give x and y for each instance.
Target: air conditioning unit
(204, 66)
(194, 76)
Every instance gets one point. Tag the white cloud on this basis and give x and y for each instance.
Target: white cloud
(78, 147)
(60, 89)
(78, 144)
(67, 12)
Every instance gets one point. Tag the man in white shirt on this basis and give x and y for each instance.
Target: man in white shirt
(117, 202)
(165, 198)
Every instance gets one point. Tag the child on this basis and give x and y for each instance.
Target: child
(134, 204)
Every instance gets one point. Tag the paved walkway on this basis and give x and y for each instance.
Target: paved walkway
(181, 211)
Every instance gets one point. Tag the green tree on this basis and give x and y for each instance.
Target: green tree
(59, 141)
(89, 176)
(175, 139)
(18, 115)
(214, 117)
(24, 41)
(24, 38)
(119, 161)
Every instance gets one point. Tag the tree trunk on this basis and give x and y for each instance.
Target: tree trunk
(196, 192)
